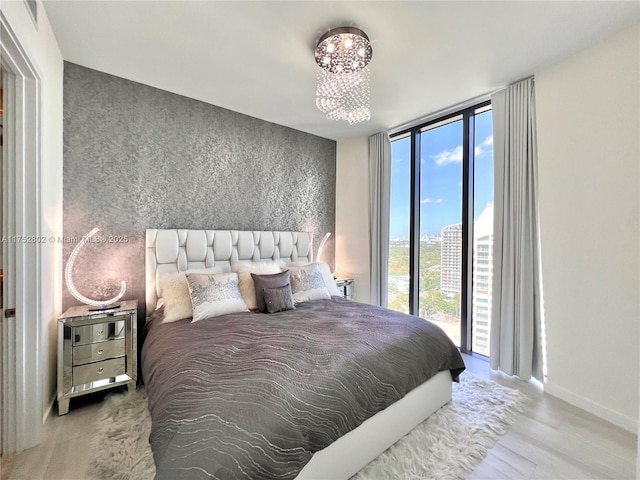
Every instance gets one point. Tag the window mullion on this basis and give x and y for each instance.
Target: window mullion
(467, 232)
(414, 228)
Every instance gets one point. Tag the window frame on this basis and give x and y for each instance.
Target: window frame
(467, 115)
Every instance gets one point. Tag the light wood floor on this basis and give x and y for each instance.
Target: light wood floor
(551, 440)
(555, 440)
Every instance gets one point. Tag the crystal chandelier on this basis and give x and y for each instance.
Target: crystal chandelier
(343, 55)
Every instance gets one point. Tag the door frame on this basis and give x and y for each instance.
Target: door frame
(22, 345)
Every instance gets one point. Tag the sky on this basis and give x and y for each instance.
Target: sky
(441, 177)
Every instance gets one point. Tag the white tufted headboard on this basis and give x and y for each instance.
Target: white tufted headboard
(173, 250)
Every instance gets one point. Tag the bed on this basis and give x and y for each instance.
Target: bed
(311, 393)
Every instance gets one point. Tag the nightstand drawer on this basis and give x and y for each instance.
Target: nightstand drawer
(98, 371)
(96, 352)
(99, 332)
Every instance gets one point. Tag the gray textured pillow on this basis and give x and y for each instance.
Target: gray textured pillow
(268, 281)
(279, 299)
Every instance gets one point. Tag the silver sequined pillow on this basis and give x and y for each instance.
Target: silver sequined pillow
(173, 290)
(307, 283)
(214, 295)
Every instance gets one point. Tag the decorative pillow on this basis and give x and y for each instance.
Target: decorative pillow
(279, 299)
(174, 292)
(247, 288)
(268, 281)
(327, 276)
(214, 295)
(329, 281)
(307, 284)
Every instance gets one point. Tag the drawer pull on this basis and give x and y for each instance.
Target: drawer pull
(101, 351)
(100, 370)
(100, 332)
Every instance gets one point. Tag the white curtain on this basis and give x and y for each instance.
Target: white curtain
(516, 317)
(379, 205)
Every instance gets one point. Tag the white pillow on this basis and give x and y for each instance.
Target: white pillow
(307, 283)
(329, 281)
(174, 293)
(214, 295)
(244, 271)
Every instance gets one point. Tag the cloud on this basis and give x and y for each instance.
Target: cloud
(430, 200)
(485, 147)
(454, 155)
(449, 156)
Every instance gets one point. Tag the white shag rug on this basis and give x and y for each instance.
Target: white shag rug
(447, 445)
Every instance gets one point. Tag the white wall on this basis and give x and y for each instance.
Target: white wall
(352, 213)
(588, 120)
(42, 50)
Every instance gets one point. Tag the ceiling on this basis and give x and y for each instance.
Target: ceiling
(257, 57)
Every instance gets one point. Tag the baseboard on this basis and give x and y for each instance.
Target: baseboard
(618, 419)
(47, 412)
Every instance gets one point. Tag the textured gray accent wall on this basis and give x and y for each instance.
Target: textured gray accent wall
(136, 157)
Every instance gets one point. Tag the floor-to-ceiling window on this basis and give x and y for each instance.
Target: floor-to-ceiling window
(441, 229)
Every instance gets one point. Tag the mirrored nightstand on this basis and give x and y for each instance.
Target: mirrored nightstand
(96, 350)
(346, 287)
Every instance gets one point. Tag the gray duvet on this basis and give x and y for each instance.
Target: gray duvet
(253, 396)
